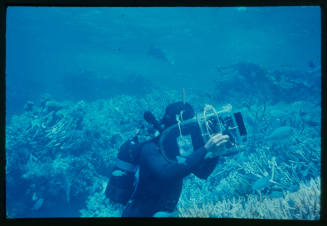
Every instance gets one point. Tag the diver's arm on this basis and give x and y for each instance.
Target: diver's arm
(206, 167)
(158, 165)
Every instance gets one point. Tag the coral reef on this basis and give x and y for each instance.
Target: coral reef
(303, 204)
(60, 154)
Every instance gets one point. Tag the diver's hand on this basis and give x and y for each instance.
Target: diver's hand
(214, 143)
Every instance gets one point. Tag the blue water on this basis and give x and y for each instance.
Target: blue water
(91, 61)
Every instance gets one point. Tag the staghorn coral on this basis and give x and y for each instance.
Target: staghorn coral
(301, 205)
(97, 205)
(62, 153)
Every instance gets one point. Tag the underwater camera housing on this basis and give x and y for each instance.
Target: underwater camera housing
(225, 122)
(193, 133)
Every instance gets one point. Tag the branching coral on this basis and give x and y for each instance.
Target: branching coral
(301, 205)
(97, 205)
(64, 151)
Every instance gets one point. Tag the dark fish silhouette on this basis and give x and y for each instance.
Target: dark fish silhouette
(157, 53)
(311, 64)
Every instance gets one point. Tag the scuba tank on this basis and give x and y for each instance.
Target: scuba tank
(122, 179)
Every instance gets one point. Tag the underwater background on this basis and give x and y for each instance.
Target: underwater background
(78, 81)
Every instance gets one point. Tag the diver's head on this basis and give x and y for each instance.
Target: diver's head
(169, 118)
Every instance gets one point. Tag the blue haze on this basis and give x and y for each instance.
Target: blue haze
(45, 45)
(102, 67)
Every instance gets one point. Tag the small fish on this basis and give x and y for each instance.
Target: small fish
(157, 53)
(118, 173)
(278, 113)
(305, 172)
(311, 64)
(38, 204)
(276, 194)
(314, 70)
(34, 197)
(261, 183)
(165, 214)
(104, 186)
(280, 134)
(293, 188)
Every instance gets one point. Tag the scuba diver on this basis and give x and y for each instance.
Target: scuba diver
(161, 163)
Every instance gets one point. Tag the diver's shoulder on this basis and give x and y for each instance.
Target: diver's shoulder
(150, 146)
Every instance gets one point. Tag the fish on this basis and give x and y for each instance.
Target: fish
(157, 53)
(311, 64)
(293, 188)
(276, 194)
(280, 134)
(165, 214)
(34, 197)
(104, 186)
(314, 70)
(118, 173)
(261, 183)
(305, 172)
(38, 204)
(277, 113)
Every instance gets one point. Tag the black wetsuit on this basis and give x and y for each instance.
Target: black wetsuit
(160, 181)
